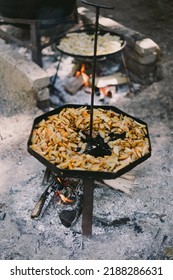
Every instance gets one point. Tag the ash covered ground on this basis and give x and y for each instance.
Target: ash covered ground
(147, 211)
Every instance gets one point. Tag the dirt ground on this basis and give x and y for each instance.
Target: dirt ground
(148, 233)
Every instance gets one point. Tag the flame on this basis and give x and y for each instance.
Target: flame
(106, 91)
(82, 72)
(103, 90)
(86, 80)
(64, 198)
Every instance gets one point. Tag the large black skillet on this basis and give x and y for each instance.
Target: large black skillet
(84, 173)
(96, 32)
(91, 32)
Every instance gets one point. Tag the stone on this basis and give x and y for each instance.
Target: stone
(146, 46)
(3, 46)
(43, 94)
(143, 71)
(22, 79)
(26, 74)
(146, 59)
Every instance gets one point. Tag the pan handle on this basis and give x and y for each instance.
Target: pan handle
(104, 6)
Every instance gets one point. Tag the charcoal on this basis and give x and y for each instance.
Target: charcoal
(67, 217)
(2, 216)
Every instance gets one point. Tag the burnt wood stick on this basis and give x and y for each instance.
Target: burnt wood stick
(38, 207)
(45, 198)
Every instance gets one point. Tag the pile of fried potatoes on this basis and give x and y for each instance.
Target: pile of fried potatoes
(81, 43)
(59, 139)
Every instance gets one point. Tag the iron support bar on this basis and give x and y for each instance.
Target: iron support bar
(127, 72)
(35, 42)
(87, 208)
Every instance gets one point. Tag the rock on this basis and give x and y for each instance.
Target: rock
(146, 46)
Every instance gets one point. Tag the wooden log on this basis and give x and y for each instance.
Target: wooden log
(123, 183)
(129, 177)
(114, 79)
(77, 66)
(73, 84)
(120, 184)
(108, 91)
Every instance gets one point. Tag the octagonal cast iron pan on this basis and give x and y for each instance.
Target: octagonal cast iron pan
(85, 173)
(91, 32)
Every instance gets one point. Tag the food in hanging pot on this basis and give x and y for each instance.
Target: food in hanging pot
(82, 43)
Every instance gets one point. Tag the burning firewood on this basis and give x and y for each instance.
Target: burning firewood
(75, 68)
(69, 217)
(46, 197)
(108, 91)
(73, 84)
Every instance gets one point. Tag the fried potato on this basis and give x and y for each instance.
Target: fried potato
(60, 139)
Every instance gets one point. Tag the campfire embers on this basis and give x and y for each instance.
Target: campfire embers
(78, 78)
(65, 191)
(70, 216)
(82, 73)
(106, 85)
(46, 197)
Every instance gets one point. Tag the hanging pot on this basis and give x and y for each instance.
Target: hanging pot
(37, 9)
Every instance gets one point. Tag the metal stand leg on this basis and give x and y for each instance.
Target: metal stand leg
(87, 211)
(35, 41)
(57, 69)
(52, 88)
(127, 72)
(46, 176)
